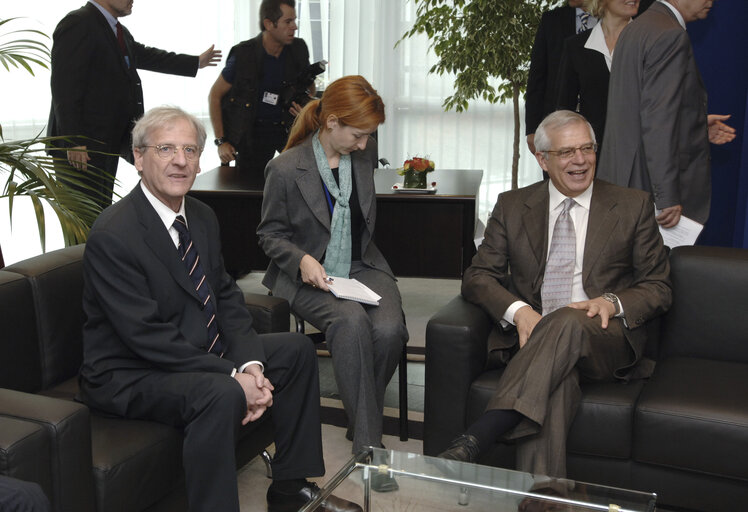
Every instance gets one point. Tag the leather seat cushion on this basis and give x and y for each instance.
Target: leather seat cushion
(692, 416)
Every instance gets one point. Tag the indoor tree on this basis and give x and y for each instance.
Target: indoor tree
(486, 44)
(26, 170)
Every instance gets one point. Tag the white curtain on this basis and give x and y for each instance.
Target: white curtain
(355, 36)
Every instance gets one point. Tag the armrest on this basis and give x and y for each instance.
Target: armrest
(24, 452)
(269, 314)
(68, 427)
(456, 351)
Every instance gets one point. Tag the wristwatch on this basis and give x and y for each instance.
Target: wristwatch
(219, 141)
(613, 299)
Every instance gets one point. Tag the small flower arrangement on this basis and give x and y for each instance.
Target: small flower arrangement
(414, 171)
(417, 164)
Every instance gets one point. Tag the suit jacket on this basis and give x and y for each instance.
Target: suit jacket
(623, 254)
(142, 310)
(94, 93)
(583, 76)
(656, 129)
(296, 220)
(540, 99)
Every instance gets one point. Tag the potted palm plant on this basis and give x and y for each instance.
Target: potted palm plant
(26, 170)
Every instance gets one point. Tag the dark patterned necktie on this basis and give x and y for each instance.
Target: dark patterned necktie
(191, 259)
(584, 17)
(559, 270)
(121, 39)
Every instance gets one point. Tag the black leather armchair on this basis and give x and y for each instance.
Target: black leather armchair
(84, 460)
(682, 434)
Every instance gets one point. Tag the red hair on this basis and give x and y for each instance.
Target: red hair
(351, 99)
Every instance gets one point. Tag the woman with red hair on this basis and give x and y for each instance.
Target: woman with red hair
(318, 218)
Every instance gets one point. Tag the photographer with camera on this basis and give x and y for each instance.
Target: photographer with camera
(258, 94)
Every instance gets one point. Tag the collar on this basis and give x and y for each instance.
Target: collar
(596, 42)
(111, 19)
(677, 13)
(555, 198)
(165, 213)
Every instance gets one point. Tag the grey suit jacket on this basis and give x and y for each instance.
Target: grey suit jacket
(142, 311)
(656, 131)
(623, 254)
(296, 220)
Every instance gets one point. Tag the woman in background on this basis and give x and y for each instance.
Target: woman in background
(582, 82)
(318, 217)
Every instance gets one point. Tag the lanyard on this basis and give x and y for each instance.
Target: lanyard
(329, 199)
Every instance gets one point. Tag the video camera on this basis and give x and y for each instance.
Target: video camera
(296, 91)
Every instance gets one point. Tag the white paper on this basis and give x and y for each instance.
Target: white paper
(684, 233)
(352, 289)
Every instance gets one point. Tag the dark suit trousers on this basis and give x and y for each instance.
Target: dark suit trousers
(210, 407)
(21, 496)
(254, 156)
(541, 382)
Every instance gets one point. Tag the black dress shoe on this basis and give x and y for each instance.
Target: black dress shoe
(464, 448)
(280, 502)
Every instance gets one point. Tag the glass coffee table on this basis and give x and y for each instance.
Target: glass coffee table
(431, 484)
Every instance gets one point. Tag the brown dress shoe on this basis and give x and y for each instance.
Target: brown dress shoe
(464, 448)
(280, 502)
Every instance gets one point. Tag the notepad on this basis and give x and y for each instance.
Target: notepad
(352, 289)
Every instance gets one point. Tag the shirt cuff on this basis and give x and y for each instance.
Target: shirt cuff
(510, 312)
(244, 367)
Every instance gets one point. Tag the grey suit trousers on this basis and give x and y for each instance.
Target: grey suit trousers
(541, 382)
(365, 343)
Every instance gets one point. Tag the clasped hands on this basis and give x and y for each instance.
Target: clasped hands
(526, 318)
(258, 391)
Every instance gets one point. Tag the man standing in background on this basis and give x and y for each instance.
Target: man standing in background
(246, 102)
(657, 130)
(96, 90)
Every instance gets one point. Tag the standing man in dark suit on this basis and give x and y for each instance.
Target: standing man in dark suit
(657, 129)
(576, 242)
(555, 26)
(249, 109)
(167, 337)
(96, 91)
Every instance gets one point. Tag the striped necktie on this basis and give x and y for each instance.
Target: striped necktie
(584, 17)
(559, 270)
(191, 259)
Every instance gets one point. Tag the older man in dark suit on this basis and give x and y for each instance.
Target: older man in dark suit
(96, 91)
(657, 129)
(577, 265)
(167, 336)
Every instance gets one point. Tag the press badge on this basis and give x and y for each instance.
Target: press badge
(270, 98)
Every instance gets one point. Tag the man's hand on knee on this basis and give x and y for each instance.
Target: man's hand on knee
(525, 318)
(597, 307)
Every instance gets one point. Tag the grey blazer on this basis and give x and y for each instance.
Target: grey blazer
(296, 220)
(656, 131)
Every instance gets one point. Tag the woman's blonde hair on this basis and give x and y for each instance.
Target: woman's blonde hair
(351, 99)
(595, 7)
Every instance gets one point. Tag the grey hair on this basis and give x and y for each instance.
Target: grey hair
(555, 121)
(159, 116)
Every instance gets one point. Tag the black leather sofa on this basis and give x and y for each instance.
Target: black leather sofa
(83, 460)
(682, 434)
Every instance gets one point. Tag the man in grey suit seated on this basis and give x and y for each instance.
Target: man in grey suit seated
(168, 338)
(577, 266)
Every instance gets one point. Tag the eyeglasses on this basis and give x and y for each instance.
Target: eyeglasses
(566, 153)
(167, 151)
